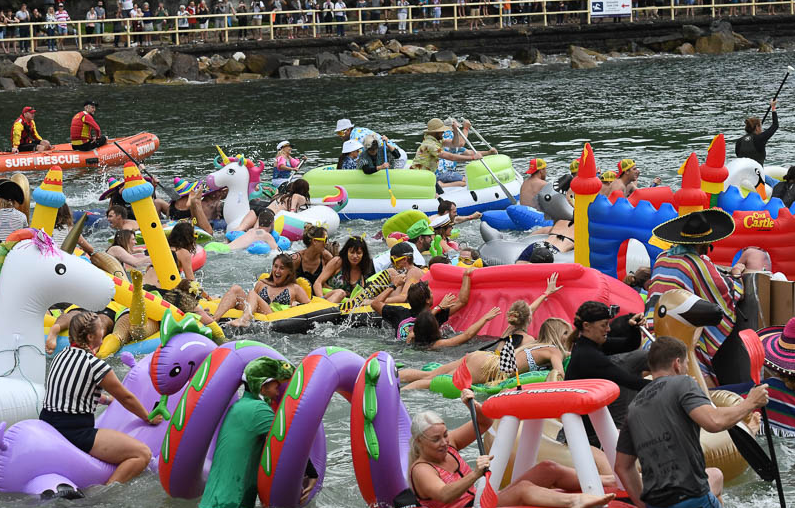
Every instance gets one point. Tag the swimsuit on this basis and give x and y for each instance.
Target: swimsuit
(282, 298)
(310, 276)
(531, 362)
(467, 498)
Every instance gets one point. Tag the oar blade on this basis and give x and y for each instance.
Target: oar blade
(753, 453)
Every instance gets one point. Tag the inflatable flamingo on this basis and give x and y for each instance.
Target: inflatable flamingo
(34, 275)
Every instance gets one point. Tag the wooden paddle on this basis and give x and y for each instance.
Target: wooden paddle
(392, 199)
(172, 194)
(483, 161)
(757, 355)
(462, 379)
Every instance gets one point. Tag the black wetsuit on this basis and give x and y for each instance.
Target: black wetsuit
(752, 145)
(785, 191)
(590, 361)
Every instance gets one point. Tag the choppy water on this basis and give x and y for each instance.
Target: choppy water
(655, 110)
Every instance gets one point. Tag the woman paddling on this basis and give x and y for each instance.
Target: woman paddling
(752, 145)
(442, 479)
(73, 390)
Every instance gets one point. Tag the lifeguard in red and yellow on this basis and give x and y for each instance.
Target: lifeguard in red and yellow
(24, 136)
(85, 132)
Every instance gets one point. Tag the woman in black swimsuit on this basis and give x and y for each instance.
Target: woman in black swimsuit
(309, 263)
(278, 288)
(344, 272)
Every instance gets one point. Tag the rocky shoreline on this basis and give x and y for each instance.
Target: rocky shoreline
(376, 57)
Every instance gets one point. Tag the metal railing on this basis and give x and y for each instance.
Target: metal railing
(403, 19)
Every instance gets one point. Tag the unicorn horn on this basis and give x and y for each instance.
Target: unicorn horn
(70, 242)
(223, 155)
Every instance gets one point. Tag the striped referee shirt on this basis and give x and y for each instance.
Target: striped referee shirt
(72, 384)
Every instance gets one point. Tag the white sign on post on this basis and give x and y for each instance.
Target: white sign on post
(610, 8)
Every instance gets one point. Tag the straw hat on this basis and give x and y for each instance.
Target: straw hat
(436, 125)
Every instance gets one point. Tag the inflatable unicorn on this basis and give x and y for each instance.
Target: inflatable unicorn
(34, 275)
(240, 176)
(24, 444)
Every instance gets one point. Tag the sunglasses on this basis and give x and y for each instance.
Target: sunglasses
(323, 240)
(395, 260)
(467, 261)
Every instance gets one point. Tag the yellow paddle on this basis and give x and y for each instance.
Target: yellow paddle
(392, 199)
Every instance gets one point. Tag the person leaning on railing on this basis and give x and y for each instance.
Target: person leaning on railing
(340, 17)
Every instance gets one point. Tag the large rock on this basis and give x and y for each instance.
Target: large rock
(7, 84)
(445, 56)
(469, 65)
(382, 65)
(685, 49)
(715, 43)
(233, 67)
(741, 43)
(349, 59)
(424, 68)
(329, 63)
(88, 72)
(161, 60)
(393, 46)
(373, 46)
(21, 79)
(691, 32)
(40, 67)
(137, 77)
(413, 51)
(125, 61)
(664, 42)
(65, 79)
(484, 59)
(529, 56)
(355, 73)
(249, 76)
(227, 78)
(70, 60)
(216, 63)
(7, 68)
(185, 67)
(266, 64)
(580, 59)
(765, 47)
(298, 72)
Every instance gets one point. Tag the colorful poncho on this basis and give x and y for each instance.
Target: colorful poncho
(682, 268)
(780, 409)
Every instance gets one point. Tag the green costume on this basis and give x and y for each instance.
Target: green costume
(232, 482)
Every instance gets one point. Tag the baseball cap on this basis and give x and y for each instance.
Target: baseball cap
(536, 165)
(28, 109)
(418, 229)
(608, 176)
(625, 165)
(400, 249)
(91, 103)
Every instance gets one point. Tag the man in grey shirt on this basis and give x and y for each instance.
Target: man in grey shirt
(662, 430)
(100, 10)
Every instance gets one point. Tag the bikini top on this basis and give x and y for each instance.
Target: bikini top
(282, 298)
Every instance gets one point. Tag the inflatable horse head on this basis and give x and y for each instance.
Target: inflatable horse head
(554, 204)
(35, 275)
(240, 176)
(681, 314)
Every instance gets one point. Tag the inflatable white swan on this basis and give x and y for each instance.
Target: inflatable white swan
(748, 176)
(34, 275)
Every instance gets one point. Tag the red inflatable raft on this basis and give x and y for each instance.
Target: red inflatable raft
(502, 285)
(140, 146)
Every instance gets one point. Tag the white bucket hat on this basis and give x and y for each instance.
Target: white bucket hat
(282, 145)
(343, 124)
(351, 145)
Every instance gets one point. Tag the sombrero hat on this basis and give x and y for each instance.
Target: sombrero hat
(779, 344)
(114, 185)
(184, 187)
(705, 226)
